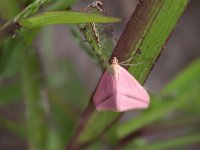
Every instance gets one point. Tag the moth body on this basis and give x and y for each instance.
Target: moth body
(119, 91)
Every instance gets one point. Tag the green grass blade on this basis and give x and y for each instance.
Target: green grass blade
(66, 17)
(151, 42)
(35, 115)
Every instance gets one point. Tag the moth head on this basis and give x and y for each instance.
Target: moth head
(98, 3)
(115, 61)
(114, 67)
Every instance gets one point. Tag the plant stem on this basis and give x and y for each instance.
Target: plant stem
(141, 39)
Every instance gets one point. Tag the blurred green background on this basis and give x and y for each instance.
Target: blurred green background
(46, 79)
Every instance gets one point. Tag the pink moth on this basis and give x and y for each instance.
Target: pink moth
(119, 91)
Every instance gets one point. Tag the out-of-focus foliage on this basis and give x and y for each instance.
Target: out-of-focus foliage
(54, 95)
(9, 8)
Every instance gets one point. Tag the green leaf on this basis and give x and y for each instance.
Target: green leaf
(67, 17)
(153, 36)
(188, 77)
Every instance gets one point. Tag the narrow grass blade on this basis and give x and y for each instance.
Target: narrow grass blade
(66, 17)
(36, 124)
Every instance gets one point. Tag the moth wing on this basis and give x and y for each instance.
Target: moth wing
(104, 97)
(120, 92)
(130, 93)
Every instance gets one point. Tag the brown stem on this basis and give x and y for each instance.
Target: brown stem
(81, 125)
(133, 30)
(125, 46)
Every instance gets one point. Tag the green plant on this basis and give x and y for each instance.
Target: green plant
(56, 117)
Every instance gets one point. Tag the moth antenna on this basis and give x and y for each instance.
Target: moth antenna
(126, 60)
(131, 64)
